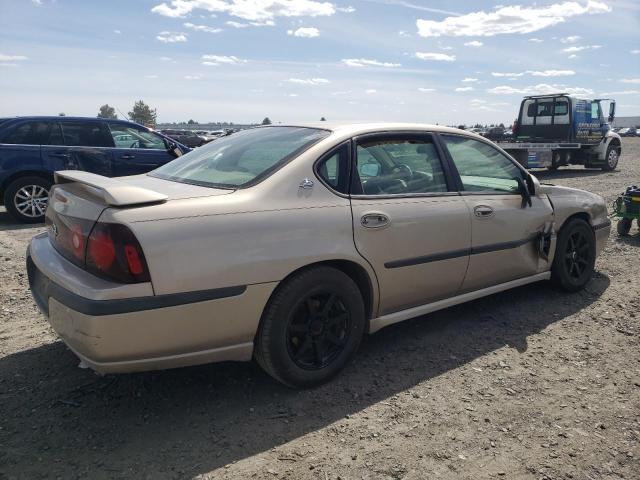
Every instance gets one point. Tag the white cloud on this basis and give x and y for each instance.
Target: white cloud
(438, 57)
(572, 56)
(551, 73)
(12, 58)
(536, 73)
(166, 59)
(233, 24)
(540, 89)
(621, 92)
(426, 90)
(202, 28)
(192, 77)
(469, 80)
(571, 39)
(370, 91)
(151, 77)
(256, 10)
(365, 62)
(117, 32)
(293, 95)
(304, 32)
(635, 52)
(171, 37)
(464, 89)
(266, 23)
(508, 19)
(348, 9)
(403, 33)
(630, 80)
(536, 40)
(8, 64)
(579, 49)
(309, 81)
(215, 60)
(473, 43)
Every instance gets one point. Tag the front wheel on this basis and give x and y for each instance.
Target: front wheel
(575, 256)
(26, 199)
(611, 159)
(623, 227)
(311, 327)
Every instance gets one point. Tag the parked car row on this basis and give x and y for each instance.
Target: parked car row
(33, 148)
(626, 131)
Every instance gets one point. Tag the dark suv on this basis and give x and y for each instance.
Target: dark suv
(32, 148)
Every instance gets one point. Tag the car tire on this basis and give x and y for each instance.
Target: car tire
(624, 226)
(575, 256)
(555, 162)
(311, 327)
(26, 199)
(611, 159)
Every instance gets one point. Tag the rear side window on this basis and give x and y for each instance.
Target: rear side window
(86, 134)
(333, 168)
(27, 133)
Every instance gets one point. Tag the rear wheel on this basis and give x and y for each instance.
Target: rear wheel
(26, 199)
(575, 256)
(624, 225)
(311, 327)
(611, 159)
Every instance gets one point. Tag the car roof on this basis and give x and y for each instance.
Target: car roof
(347, 128)
(65, 118)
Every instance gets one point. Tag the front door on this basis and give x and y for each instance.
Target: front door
(504, 232)
(87, 146)
(407, 222)
(137, 150)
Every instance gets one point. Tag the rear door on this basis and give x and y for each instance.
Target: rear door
(137, 150)
(503, 231)
(87, 146)
(408, 222)
(20, 147)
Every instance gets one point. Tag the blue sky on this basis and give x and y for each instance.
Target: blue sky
(444, 62)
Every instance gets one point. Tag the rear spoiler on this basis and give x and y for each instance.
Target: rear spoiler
(113, 191)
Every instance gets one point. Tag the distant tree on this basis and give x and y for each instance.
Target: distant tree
(323, 119)
(462, 127)
(107, 112)
(192, 122)
(62, 114)
(501, 125)
(143, 114)
(266, 121)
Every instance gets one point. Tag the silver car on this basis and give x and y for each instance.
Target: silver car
(288, 243)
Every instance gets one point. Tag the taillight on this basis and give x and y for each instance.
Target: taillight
(113, 252)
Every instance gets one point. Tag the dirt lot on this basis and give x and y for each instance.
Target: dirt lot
(529, 383)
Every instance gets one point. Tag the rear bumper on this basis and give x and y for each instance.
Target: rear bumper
(120, 335)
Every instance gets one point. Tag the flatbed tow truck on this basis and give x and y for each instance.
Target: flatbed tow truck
(559, 129)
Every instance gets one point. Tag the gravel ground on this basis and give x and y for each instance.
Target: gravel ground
(529, 383)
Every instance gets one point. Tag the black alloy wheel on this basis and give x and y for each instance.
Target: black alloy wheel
(318, 330)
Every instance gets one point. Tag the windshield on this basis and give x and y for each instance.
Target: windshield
(240, 159)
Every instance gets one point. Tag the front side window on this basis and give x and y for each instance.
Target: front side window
(392, 166)
(481, 166)
(241, 159)
(129, 137)
(86, 134)
(27, 133)
(595, 110)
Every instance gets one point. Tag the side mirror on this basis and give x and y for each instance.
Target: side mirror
(174, 150)
(612, 111)
(369, 169)
(523, 188)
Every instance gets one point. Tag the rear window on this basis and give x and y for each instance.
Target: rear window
(241, 159)
(27, 133)
(545, 108)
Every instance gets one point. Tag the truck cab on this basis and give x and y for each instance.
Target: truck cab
(559, 129)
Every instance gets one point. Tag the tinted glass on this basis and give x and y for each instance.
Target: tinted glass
(27, 133)
(481, 166)
(130, 137)
(55, 135)
(334, 169)
(544, 108)
(86, 134)
(398, 166)
(241, 158)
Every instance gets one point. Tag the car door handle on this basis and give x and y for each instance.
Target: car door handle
(483, 211)
(127, 156)
(374, 220)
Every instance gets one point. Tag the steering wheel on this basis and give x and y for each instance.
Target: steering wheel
(135, 144)
(404, 170)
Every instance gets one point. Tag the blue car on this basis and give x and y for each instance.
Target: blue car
(33, 148)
